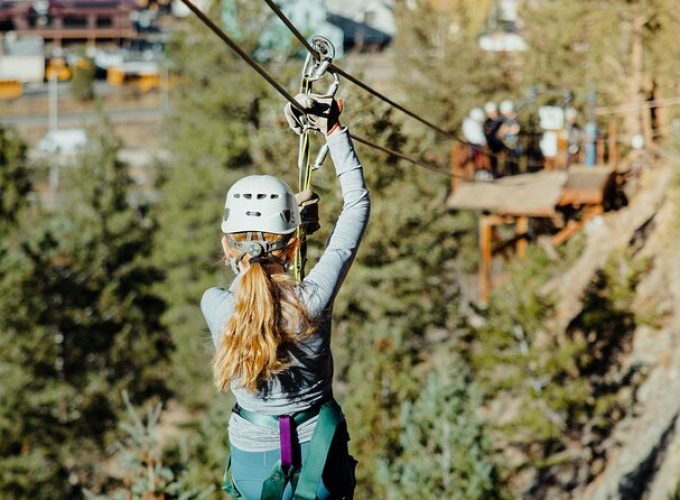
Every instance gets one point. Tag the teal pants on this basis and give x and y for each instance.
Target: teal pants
(250, 470)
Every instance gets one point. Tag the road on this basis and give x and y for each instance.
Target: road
(85, 117)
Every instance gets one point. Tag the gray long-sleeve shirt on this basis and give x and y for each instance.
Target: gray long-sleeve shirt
(309, 379)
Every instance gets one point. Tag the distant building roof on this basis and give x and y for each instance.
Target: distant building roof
(15, 4)
(359, 34)
(377, 14)
(94, 4)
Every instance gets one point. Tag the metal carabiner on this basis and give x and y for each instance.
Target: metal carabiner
(313, 70)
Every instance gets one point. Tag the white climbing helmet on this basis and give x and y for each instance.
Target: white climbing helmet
(507, 106)
(477, 114)
(260, 203)
(490, 107)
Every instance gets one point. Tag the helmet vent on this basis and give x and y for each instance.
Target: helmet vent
(254, 214)
(261, 196)
(286, 215)
(273, 196)
(237, 195)
(248, 196)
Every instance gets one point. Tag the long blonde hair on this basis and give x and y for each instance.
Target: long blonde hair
(268, 317)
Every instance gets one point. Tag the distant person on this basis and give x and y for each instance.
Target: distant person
(590, 144)
(574, 136)
(637, 143)
(272, 335)
(492, 124)
(508, 134)
(473, 132)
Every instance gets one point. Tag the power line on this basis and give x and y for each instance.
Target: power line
(282, 91)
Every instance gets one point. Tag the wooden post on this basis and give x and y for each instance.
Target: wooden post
(522, 230)
(57, 27)
(640, 116)
(600, 151)
(485, 239)
(457, 170)
(613, 145)
(573, 226)
(655, 112)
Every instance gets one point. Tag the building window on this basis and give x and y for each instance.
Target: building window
(75, 22)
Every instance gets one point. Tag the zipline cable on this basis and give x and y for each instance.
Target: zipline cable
(282, 91)
(243, 55)
(420, 163)
(332, 67)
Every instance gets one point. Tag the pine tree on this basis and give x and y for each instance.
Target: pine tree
(621, 51)
(82, 81)
(80, 325)
(555, 396)
(140, 453)
(15, 182)
(400, 293)
(441, 67)
(445, 452)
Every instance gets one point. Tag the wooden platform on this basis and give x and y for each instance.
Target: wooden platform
(534, 195)
(512, 201)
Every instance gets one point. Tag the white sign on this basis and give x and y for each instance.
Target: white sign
(549, 144)
(552, 118)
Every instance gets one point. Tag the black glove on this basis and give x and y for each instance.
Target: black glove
(308, 202)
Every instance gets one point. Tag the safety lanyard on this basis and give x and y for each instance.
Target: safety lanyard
(313, 70)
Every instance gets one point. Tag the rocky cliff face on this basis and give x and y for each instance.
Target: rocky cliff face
(643, 453)
(578, 353)
(641, 456)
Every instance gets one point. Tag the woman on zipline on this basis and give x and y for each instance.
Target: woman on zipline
(288, 437)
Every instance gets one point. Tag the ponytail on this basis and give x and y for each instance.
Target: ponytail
(267, 318)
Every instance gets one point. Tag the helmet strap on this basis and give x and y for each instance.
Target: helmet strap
(259, 250)
(233, 262)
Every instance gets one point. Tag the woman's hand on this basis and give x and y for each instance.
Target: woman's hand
(308, 202)
(322, 111)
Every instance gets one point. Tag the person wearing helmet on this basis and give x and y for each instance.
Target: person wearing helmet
(492, 124)
(473, 132)
(509, 135)
(573, 133)
(288, 437)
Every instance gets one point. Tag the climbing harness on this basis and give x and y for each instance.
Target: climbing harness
(304, 478)
(315, 67)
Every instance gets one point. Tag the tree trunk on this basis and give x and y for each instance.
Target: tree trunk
(638, 120)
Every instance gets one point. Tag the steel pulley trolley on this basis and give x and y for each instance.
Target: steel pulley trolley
(314, 70)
